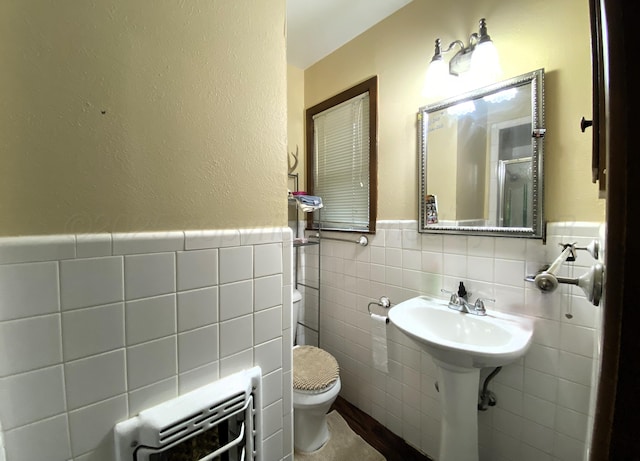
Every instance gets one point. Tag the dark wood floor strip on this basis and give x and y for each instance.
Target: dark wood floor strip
(375, 434)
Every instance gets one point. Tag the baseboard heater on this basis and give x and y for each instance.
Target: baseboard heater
(217, 422)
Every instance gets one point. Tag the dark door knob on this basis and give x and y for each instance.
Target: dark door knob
(584, 124)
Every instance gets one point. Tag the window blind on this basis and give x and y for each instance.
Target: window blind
(341, 168)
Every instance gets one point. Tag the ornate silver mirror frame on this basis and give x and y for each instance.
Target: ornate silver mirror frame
(492, 208)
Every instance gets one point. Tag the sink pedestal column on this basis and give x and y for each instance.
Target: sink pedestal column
(459, 398)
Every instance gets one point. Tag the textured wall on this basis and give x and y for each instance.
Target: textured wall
(528, 34)
(295, 119)
(131, 116)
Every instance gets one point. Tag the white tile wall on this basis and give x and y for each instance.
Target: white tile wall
(36, 249)
(18, 299)
(198, 347)
(268, 259)
(92, 245)
(197, 269)
(543, 399)
(236, 264)
(70, 333)
(236, 362)
(149, 275)
(236, 335)
(197, 308)
(150, 362)
(198, 377)
(268, 291)
(152, 395)
(162, 309)
(236, 299)
(147, 242)
(97, 327)
(90, 282)
(29, 344)
(29, 397)
(92, 426)
(92, 330)
(267, 324)
(269, 354)
(202, 239)
(45, 439)
(272, 417)
(95, 378)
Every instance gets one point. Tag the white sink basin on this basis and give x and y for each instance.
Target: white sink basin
(463, 340)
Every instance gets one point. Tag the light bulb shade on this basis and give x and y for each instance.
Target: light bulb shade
(485, 64)
(436, 80)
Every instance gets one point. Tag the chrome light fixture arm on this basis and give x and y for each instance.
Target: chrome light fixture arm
(461, 61)
(474, 39)
(439, 51)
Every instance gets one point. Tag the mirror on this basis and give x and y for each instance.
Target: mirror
(481, 160)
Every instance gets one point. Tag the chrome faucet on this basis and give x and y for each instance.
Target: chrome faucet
(458, 302)
(478, 306)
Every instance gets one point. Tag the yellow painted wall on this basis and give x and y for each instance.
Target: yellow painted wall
(443, 132)
(472, 154)
(296, 119)
(529, 34)
(120, 115)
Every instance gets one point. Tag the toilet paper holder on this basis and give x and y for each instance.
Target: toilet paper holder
(382, 302)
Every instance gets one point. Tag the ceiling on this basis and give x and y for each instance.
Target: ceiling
(316, 28)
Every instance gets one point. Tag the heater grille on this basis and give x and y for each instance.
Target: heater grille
(200, 421)
(228, 409)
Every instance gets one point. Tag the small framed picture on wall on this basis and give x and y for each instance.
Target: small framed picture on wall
(431, 208)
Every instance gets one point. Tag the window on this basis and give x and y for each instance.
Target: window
(342, 159)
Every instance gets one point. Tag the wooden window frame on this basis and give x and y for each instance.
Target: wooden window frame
(368, 86)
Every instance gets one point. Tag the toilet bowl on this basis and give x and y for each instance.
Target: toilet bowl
(316, 384)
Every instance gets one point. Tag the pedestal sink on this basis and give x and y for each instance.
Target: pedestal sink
(461, 344)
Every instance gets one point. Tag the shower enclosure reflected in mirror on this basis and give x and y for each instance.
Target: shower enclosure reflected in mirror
(481, 160)
(514, 179)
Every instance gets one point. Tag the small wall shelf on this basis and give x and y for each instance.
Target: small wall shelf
(308, 282)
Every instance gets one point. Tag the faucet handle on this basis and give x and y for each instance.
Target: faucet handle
(479, 305)
(454, 299)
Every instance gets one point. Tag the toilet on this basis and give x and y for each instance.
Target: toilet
(316, 384)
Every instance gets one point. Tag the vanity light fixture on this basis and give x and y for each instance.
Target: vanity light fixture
(474, 65)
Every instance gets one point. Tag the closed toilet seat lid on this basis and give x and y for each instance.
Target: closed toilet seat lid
(314, 369)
